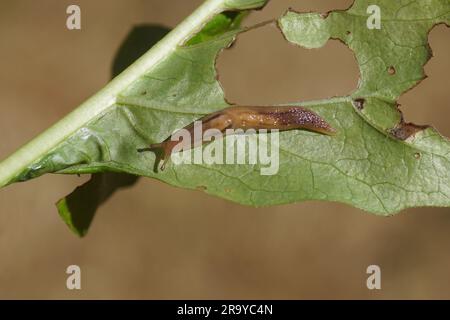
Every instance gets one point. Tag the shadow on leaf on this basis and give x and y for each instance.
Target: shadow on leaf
(78, 208)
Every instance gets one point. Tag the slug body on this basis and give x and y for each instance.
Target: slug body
(238, 117)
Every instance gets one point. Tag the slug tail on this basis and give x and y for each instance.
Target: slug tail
(328, 130)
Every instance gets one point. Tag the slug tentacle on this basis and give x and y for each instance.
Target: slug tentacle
(238, 117)
(162, 150)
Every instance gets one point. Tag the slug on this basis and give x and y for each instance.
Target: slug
(239, 117)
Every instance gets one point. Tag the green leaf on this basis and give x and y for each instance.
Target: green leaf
(391, 61)
(375, 161)
(223, 22)
(401, 43)
(78, 208)
(244, 4)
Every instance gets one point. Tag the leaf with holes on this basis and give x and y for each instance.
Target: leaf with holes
(375, 162)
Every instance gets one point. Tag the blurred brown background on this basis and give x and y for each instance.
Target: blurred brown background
(156, 241)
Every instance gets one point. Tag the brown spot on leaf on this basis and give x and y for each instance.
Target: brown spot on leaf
(202, 188)
(405, 130)
(391, 70)
(359, 103)
(417, 155)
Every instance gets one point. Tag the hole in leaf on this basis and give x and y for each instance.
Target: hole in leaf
(359, 103)
(263, 68)
(427, 103)
(391, 70)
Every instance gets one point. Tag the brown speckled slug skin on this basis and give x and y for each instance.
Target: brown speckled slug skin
(281, 118)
